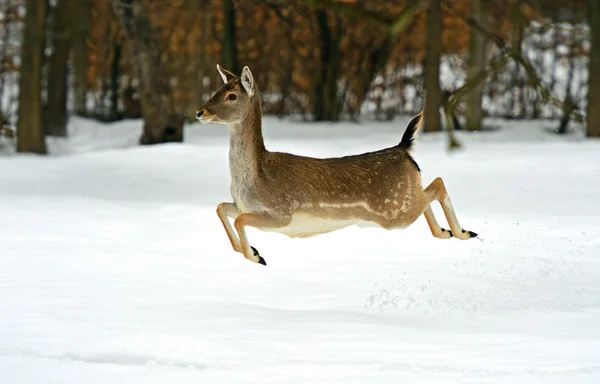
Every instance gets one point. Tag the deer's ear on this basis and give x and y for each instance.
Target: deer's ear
(225, 74)
(248, 81)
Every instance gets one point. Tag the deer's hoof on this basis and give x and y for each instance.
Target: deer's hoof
(471, 233)
(260, 258)
(446, 234)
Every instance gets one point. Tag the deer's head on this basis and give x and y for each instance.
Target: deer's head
(232, 102)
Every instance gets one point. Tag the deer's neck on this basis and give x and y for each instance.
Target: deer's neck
(246, 145)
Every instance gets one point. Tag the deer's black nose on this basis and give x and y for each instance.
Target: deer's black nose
(199, 113)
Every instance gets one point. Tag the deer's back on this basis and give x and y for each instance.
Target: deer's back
(287, 181)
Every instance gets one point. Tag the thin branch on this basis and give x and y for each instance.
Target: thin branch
(393, 26)
(515, 54)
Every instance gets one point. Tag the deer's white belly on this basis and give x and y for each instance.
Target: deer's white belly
(304, 225)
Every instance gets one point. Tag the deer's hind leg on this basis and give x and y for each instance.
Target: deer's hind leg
(434, 226)
(437, 191)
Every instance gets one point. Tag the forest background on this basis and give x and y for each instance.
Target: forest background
(327, 60)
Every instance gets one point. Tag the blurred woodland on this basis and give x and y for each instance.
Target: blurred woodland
(319, 60)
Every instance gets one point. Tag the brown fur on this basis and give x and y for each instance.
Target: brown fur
(303, 196)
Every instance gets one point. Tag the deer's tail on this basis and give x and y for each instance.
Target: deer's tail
(411, 132)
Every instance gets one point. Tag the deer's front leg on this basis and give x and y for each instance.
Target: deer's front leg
(262, 220)
(226, 210)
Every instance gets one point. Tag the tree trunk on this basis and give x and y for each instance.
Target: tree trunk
(376, 59)
(229, 50)
(161, 123)
(593, 102)
(56, 107)
(30, 132)
(326, 105)
(80, 21)
(569, 102)
(8, 9)
(114, 84)
(285, 82)
(518, 84)
(201, 63)
(432, 67)
(476, 63)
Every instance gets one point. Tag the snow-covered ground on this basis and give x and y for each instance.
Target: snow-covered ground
(114, 267)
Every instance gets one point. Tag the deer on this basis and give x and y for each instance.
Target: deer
(301, 196)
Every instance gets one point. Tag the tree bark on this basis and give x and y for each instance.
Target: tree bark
(56, 107)
(593, 102)
(81, 13)
(161, 123)
(476, 63)
(229, 51)
(30, 131)
(8, 10)
(569, 103)
(376, 58)
(285, 82)
(432, 67)
(326, 105)
(201, 63)
(517, 108)
(114, 84)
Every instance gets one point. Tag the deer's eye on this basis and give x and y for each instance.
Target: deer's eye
(232, 96)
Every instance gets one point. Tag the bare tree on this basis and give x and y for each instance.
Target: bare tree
(80, 12)
(326, 104)
(432, 67)
(569, 103)
(8, 66)
(30, 132)
(115, 73)
(229, 48)
(56, 107)
(328, 14)
(476, 63)
(161, 123)
(593, 111)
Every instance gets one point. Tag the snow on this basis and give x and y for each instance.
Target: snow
(114, 267)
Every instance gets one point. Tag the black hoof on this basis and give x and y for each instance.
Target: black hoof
(473, 234)
(447, 230)
(260, 258)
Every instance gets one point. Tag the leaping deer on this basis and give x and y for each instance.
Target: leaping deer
(303, 196)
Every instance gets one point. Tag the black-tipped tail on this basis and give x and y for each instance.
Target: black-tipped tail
(411, 131)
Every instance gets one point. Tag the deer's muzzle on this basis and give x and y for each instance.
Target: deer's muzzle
(203, 116)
